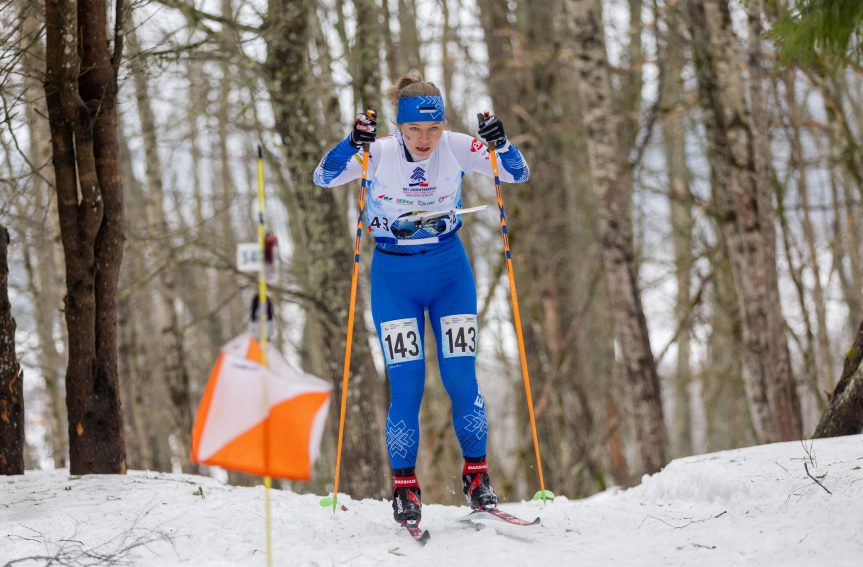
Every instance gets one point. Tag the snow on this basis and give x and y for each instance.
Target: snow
(753, 506)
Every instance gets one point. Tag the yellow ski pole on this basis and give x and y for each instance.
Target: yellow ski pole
(543, 494)
(262, 319)
(347, 364)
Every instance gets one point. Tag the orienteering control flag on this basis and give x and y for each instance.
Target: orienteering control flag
(262, 420)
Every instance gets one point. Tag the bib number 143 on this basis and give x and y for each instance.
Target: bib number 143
(458, 335)
(401, 341)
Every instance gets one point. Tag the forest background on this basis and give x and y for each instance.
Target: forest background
(687, 251)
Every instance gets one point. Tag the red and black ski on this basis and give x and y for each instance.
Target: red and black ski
(420, 535)
(499, 515)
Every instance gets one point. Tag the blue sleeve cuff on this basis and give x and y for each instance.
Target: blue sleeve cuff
(513, 162)
(335, 162)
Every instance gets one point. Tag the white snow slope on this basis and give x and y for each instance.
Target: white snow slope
(753, 506)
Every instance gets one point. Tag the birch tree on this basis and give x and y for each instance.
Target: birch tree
(680, 201)
(612, 184)
(743, 198)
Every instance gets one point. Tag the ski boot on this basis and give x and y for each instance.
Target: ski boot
(476, 485)
(407, 506)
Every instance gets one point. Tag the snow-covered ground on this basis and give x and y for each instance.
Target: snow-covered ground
(753, 506)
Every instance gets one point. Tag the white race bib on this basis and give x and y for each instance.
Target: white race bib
(458, 335)
(400, 340)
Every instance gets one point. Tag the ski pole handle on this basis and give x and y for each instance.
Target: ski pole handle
(372, 115)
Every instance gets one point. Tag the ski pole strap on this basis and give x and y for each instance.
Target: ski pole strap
(473, 468)
(405, 482)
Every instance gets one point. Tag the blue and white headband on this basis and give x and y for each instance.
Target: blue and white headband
(420, 109)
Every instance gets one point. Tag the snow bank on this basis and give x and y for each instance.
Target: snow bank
(754, 506)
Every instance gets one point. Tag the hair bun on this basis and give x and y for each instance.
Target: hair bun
(410, 84)
(409, 79)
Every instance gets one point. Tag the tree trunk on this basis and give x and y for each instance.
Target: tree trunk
(392, 55)
(844, 415)
(159, 245)
(532, 93)
(140, 359)
(82, 115)
(811, 404)
(323, 235)
(232, 316)
(825, 356)
(409, 45)
(729, 421)
(45, 280)
(680, 202)
(781, 385)
(740, 178)
(612, 187)
(367, 51)
(846, 242)
(11, 377)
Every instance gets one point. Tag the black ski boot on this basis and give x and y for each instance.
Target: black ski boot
(476, 484)
(407, 506)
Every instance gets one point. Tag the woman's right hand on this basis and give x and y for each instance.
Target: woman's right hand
(365, 130)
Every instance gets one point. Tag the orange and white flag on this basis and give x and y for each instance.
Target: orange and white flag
(263, 420)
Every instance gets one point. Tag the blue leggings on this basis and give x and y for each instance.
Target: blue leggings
(440, 282)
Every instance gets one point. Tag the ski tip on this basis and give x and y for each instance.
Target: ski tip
(260, 152)
(418, 534)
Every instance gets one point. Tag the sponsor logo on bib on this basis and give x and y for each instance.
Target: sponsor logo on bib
(419, 185)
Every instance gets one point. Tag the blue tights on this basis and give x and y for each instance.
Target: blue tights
(440, 282)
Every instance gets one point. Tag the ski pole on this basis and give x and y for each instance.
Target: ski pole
(262, 318)
(347, 365)
(543, 494)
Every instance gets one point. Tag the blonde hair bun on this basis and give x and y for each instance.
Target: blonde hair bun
(411, 84)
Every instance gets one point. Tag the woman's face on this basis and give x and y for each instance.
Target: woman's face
(421, 138)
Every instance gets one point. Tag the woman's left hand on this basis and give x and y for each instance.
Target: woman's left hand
(491, 130)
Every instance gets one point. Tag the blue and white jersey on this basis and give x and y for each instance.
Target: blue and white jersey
(398, 188)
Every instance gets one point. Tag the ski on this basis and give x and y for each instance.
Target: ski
(419, 535)
(499, 515)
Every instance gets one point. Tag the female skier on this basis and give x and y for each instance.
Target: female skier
(419, 265)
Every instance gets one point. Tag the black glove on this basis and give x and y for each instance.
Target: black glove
(491, 130)
(365, 130)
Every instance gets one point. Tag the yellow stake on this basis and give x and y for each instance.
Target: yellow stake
(262, 319)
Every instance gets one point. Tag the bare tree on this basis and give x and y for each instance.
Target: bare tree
(368, 74)
(409, 45)
(162, 253)
(11, 377)
(81, 90)
(742, 194)
(680, 201)
(42, 256)
(612, 183)
(322, 231)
